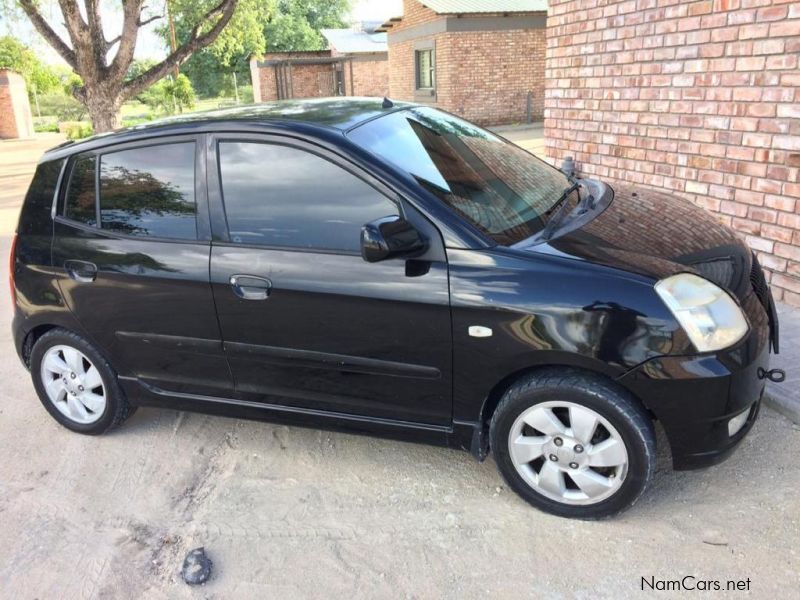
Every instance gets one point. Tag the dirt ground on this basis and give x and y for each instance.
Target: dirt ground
(289, 512)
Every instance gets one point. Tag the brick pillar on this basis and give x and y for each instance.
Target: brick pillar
(15, 110)
(700, 99)
(255, 79)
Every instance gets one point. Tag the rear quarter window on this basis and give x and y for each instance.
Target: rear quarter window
(35, 216)
(80, 197)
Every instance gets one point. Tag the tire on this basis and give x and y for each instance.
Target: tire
(602, 443)
(61, 363)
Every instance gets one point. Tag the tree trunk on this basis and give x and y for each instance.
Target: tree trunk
(104, 108)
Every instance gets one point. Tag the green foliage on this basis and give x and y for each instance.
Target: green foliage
(244, 34)
(77, 130)
(170, 96)
(45, 125)
(70, 82)
(65, 108)
(211, 79)
(16, 56)
(296, 24)
(210, 70)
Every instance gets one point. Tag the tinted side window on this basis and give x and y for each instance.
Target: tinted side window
(34, 218)
(80, 204)
(149, 191)
(280, 196)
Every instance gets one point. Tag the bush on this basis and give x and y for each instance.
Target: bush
(65, 108)
(45, 125)
(246, 94)
(76, 130)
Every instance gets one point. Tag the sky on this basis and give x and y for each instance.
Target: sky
(149, 44)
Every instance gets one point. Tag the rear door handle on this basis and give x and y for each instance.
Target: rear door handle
(81, 270)
(250, 287)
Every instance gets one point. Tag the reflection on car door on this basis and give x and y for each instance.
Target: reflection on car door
(306, 322)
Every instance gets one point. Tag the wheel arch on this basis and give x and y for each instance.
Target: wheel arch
(492, 400)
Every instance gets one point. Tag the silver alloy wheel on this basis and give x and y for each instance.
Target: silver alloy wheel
(568, 452)
(73, 384)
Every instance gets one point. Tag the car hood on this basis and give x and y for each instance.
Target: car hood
(657, 235)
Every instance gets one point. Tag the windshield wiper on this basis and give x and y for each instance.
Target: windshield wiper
(560, 208)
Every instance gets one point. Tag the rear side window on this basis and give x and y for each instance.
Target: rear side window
(80, 202)
(34, 218)
(149, 191)
(280, 196)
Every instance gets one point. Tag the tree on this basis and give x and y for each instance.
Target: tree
(296, 24)
(170, 95)
(211, 69)
(88, 51)
(15, 56)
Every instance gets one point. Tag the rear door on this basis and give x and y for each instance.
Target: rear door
(306, 322)
(132, 242)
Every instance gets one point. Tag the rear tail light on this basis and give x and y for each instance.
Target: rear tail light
(11, 260)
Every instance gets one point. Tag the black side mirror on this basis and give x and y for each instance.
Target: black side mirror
(388, 237)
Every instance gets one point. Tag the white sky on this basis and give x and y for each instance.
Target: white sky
(149, 44)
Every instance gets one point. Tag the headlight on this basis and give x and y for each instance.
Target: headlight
(710, 317)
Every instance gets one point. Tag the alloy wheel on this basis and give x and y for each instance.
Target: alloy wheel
(568, 452)
(73, 384)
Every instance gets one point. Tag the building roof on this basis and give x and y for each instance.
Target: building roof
(446, 7)
(342, 113)
(475, 7)
(351, 41)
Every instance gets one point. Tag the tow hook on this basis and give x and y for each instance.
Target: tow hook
(774, 375)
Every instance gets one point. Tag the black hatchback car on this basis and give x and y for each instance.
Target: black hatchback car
(389, 268)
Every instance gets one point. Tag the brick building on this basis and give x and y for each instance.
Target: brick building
(355, 65)
(480, 59)
(700, 99)
(16, 120)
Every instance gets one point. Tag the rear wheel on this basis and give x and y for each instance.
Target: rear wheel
(76, 384)
(573, 444)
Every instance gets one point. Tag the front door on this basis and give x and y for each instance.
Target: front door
(306, 322)
(132, 244)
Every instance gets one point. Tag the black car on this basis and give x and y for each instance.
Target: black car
(389, 268)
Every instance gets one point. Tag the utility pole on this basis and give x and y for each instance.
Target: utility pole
(173, 44)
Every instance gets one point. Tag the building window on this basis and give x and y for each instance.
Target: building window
(426, 69)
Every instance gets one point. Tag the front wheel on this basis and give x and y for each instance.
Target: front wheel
(572, 444)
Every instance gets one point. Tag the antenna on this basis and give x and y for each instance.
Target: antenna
(387, 103)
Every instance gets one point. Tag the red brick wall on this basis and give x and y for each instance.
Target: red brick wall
(370, 77)
(484, 76)
(15, 111)
(305, 78)
(700, 99)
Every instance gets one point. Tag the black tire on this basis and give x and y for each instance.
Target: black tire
(117, 408)
(614, 404)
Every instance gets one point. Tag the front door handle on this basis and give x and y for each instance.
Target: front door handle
(250, 287)
(81, 270)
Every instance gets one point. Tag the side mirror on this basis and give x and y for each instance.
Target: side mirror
(388, 237)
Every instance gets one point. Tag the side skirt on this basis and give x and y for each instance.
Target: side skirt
(460, 435)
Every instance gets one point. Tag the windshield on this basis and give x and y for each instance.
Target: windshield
(495, 185)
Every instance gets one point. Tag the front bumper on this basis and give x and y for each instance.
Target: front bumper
(695, 397)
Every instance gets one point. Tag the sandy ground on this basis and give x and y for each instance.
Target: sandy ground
(290, 512)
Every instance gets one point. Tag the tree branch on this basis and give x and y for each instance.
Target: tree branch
(150, 20)
(224, 10)
(132, 10)
(44, 29)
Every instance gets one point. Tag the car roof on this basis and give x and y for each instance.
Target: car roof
(337, 113)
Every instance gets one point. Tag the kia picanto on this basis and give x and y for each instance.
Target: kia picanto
(388, 268)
